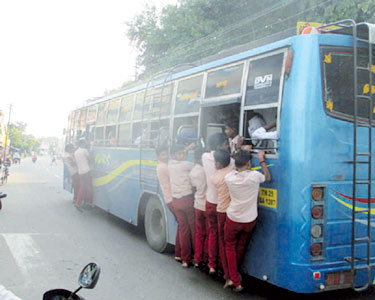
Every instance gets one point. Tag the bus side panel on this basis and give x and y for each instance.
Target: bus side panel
(150, 183)
(116, 182)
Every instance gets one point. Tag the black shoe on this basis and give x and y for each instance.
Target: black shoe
(2, 195)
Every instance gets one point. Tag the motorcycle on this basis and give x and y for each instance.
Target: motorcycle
(1, 197)
(87, 279)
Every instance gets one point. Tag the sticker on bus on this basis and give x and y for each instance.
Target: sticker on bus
(268, 197)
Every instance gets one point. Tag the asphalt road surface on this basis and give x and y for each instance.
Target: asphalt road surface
(45, 242)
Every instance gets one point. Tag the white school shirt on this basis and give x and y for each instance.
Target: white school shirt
(243, 189)
(82, 160)
(208, 162)
(179, 177)
(198, 180)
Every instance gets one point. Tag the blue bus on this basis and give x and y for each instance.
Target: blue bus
(315, 229)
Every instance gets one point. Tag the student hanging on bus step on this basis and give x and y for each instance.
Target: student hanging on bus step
(216, 141)
(183, 200)
(198, 181)
(165, 185)
(223, 167)
(242, 212)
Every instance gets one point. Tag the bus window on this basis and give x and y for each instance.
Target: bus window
(161, 101)
(255, 119)
(110, 136)
(82, 119)
(125, 138)
(112, 113)
(126, 110)
(159, 133)
(263, 82)
(214, 117)
(185, 130)
(188, 95)
(139, 98)
(91, 115)
(226, 81)
(99, 136)
(102, 111)
(137, 134)
(338, 76)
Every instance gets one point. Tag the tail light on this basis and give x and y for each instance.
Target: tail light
(339, 279)
(317, 221)
(316, 249)
(317, 212)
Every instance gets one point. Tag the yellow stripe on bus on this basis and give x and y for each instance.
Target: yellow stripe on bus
(109, 177)
(372, 211)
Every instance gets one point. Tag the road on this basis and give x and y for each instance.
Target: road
(45, 242)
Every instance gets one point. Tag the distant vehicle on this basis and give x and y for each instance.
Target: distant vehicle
(316, 215)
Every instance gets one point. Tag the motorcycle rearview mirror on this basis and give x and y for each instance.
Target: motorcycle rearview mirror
(88, 278)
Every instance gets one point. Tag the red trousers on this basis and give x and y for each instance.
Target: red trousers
(184, 210)
(236, 237)
(201, 242)
(85, 189)
(177, 248)
(75, 185)
(221, 218)
(211, 216)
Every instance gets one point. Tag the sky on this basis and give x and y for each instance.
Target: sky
(55, 54)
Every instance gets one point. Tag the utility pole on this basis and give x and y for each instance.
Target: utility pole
(7, 133)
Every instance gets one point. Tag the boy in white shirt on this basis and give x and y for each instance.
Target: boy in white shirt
(198, 180)
(243, 185)
(183, 200)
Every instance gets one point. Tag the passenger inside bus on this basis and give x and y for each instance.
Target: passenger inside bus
(261, 134)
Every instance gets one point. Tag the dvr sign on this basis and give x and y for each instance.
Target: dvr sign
(263, 81)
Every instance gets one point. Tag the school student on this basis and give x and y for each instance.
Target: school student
(198, 181)
(183, 200)
(165, 185)
(223, 167)
(216, 141)
(243, 185)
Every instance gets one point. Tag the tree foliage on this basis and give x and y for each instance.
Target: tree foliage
(193, 29)
(19, 139)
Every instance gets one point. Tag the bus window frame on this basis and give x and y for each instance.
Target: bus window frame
(277, 104)
(132, 95)
(96, 106)
(118, 99)
(226, 98)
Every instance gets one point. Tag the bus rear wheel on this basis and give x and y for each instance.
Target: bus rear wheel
(155, 225)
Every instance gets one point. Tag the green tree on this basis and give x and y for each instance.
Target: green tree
(194, 29)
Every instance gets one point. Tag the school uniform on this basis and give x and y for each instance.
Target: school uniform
(223, 202)
(183, 204)
(85, 193)
(208, 162)
(165, 185)
(241, 216)
(198, 180)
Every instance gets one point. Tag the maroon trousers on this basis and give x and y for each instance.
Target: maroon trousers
(184, 210)
(75, 185)
(177, 247)
(201, 241)
(221, 218)
(211, 216)
(85, 189)
(236, 237)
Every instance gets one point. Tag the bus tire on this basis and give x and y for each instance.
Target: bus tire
(156, 225)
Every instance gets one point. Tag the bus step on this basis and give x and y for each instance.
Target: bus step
(363, 153)
(363, 68)
(360, 240)
(363, 182)
(364, 97)
(362, 40)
